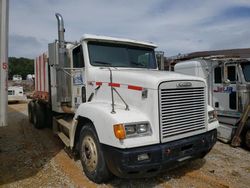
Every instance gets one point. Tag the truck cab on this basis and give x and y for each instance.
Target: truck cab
(228, 88)
(231, 86)
(110, 104)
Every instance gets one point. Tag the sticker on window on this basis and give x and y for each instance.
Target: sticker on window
(77, 79)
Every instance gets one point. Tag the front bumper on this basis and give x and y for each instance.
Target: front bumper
(124, 162)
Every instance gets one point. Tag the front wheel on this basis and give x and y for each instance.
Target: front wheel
(91, 155)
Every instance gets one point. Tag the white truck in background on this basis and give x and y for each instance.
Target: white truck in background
(17, 77)
(108, 102)
(228, 80)
(16, 94)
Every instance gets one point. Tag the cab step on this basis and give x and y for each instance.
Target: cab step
(64, 138)
(64, 123)
(57, 128)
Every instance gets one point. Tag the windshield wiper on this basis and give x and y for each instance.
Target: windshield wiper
(102, 63)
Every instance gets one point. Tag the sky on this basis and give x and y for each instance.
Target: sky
(175, 26)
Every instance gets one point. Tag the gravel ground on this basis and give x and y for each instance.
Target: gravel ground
(36, 158)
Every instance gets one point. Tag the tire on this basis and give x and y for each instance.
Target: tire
(247, 139)
(39, 116)
(31, 111)
(48, 117)
(91, 155)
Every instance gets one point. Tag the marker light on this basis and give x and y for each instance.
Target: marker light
(119, 131)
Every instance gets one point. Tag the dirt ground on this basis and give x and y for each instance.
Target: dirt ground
(36, 158)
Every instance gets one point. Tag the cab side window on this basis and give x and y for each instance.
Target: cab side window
(231, 74)
(78, 61)
(217, 75)
(79, 79)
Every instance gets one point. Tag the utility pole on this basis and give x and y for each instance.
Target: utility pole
(4, 27)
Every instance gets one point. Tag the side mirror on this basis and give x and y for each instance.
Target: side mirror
(227, 82)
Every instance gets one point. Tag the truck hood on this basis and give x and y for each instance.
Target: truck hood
(140, 77)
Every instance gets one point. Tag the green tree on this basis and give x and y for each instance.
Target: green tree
(22, 66)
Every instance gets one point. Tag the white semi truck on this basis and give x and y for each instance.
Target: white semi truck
(228, 80)
(109, 103)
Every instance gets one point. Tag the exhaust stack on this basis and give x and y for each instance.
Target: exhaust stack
(61, 31)
(63, 94)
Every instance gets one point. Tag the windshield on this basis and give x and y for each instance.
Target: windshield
(118, 55)
(246, 71)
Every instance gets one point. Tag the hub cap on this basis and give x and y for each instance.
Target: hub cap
(89, 153)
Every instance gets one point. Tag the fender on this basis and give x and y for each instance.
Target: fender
(102, 118)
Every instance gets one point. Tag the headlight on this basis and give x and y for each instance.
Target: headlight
(132, 130)
(142, 128)
(212, 116)
(137, 129)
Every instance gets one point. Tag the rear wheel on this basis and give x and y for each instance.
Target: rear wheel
(31, 111)
(39, 116)
(48, 117)
(91, 155)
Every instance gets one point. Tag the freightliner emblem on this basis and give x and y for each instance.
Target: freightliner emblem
(184, 84)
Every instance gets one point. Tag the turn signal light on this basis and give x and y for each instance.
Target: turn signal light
(119, 131)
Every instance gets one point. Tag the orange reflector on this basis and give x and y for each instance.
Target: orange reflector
(119, 131)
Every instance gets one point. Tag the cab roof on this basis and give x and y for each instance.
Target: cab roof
(90, 37)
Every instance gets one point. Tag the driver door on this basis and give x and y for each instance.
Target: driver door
(224, 89)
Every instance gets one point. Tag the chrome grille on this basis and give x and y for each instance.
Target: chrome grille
(182, 110)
